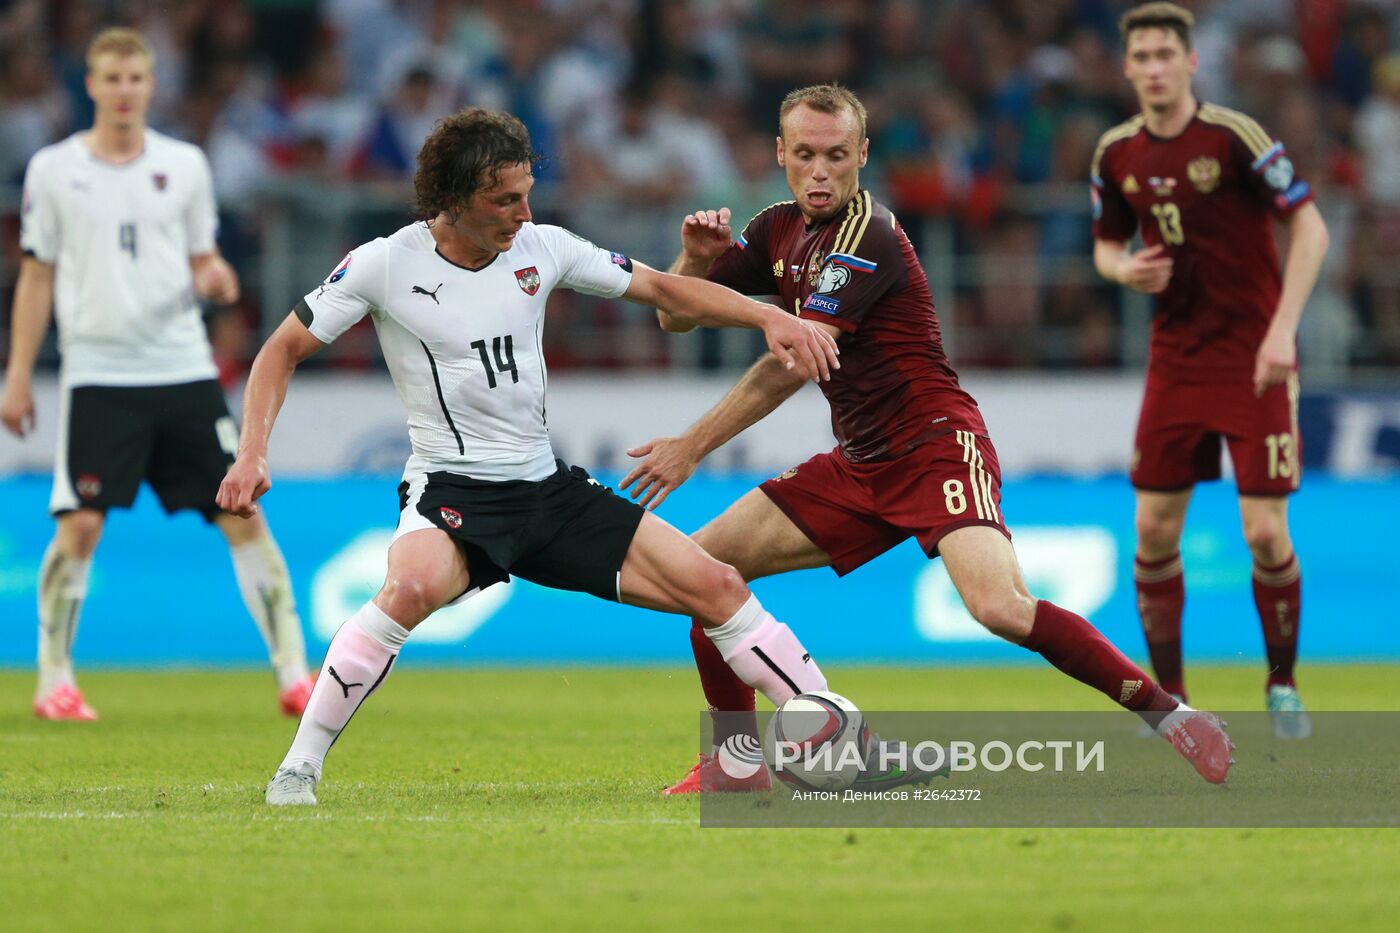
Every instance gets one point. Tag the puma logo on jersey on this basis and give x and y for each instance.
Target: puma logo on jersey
(420, 290)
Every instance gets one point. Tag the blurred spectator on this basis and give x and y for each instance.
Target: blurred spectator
(397, 134)
(239, 164)
(757, 182)
(34, 111)
(1269, 68)
(1378, 138)
(168, 31)
(330, 112)
(1215, 39)
(637, 158)
(433, 49)
(790, 43)
(366, 29)
(930, 152)
(76, 30)
(1327, 333)
(226, 33)
(285, 29)
(1365, 39)
(246, 101)
(1007, 307)
(519, 81)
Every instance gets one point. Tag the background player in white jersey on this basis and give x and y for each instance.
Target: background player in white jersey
(458, 300)
(118, 228)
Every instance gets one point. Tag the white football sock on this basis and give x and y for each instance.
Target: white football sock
(766, 654)
(357, 661)
(1170, 719)
(63, 583)
(267, 592)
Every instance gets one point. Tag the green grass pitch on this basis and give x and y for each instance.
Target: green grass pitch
(527, 799)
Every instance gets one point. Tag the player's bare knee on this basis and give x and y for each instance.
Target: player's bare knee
(1267, 540)
(79, 532)
(1158, 535)
(410, 597)
(718, 592)
(723, 584)
(1006, 614)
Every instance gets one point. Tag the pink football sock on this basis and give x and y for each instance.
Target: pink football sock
(357, 661)
(766, 654)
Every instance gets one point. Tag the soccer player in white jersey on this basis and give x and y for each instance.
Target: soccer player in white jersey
(458, 301)
(118, 227)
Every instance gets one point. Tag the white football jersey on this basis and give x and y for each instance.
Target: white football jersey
(464, 346)
(121, 237)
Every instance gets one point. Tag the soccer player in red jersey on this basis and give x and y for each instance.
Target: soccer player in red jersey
(1203, 183)
(913, 457)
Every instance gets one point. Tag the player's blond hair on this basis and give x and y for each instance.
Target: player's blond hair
(823, 98)
(1158, 16)
(120, 41)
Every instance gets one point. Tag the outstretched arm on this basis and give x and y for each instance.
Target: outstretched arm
(806, 348)
(248, 478)
(1278, 353)
(671, 460)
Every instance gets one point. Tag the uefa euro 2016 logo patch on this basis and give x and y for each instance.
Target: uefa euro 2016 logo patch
(340, 270)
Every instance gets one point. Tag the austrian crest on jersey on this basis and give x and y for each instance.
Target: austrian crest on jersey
(528, 279)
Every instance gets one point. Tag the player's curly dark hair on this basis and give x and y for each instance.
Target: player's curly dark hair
(465, 154)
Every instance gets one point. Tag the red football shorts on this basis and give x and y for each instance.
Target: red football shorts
(857, 511)
(1182, 424)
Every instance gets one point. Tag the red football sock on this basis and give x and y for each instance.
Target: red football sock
(1161, 595)
(1278, 594)
(724, 691)
(1078, 649)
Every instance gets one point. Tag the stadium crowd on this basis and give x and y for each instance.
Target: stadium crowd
(984, 117)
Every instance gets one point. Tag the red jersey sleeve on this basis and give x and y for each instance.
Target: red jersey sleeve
(866, 261)
(746, 266)
(1268, 173)
(1113, 215)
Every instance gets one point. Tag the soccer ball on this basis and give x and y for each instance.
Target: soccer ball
(817, 741)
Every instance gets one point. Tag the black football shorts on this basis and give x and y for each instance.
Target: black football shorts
(178, 438)
(567, 531)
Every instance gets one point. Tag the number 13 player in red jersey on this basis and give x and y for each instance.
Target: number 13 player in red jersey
(1204, 184)
(913, 459)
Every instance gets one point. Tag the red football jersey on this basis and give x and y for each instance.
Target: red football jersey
(1208, 195)
(857, 271)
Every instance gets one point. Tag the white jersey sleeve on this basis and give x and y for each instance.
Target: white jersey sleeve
(355, 288)
(202, 212)
(585, 267)
(39, 213)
